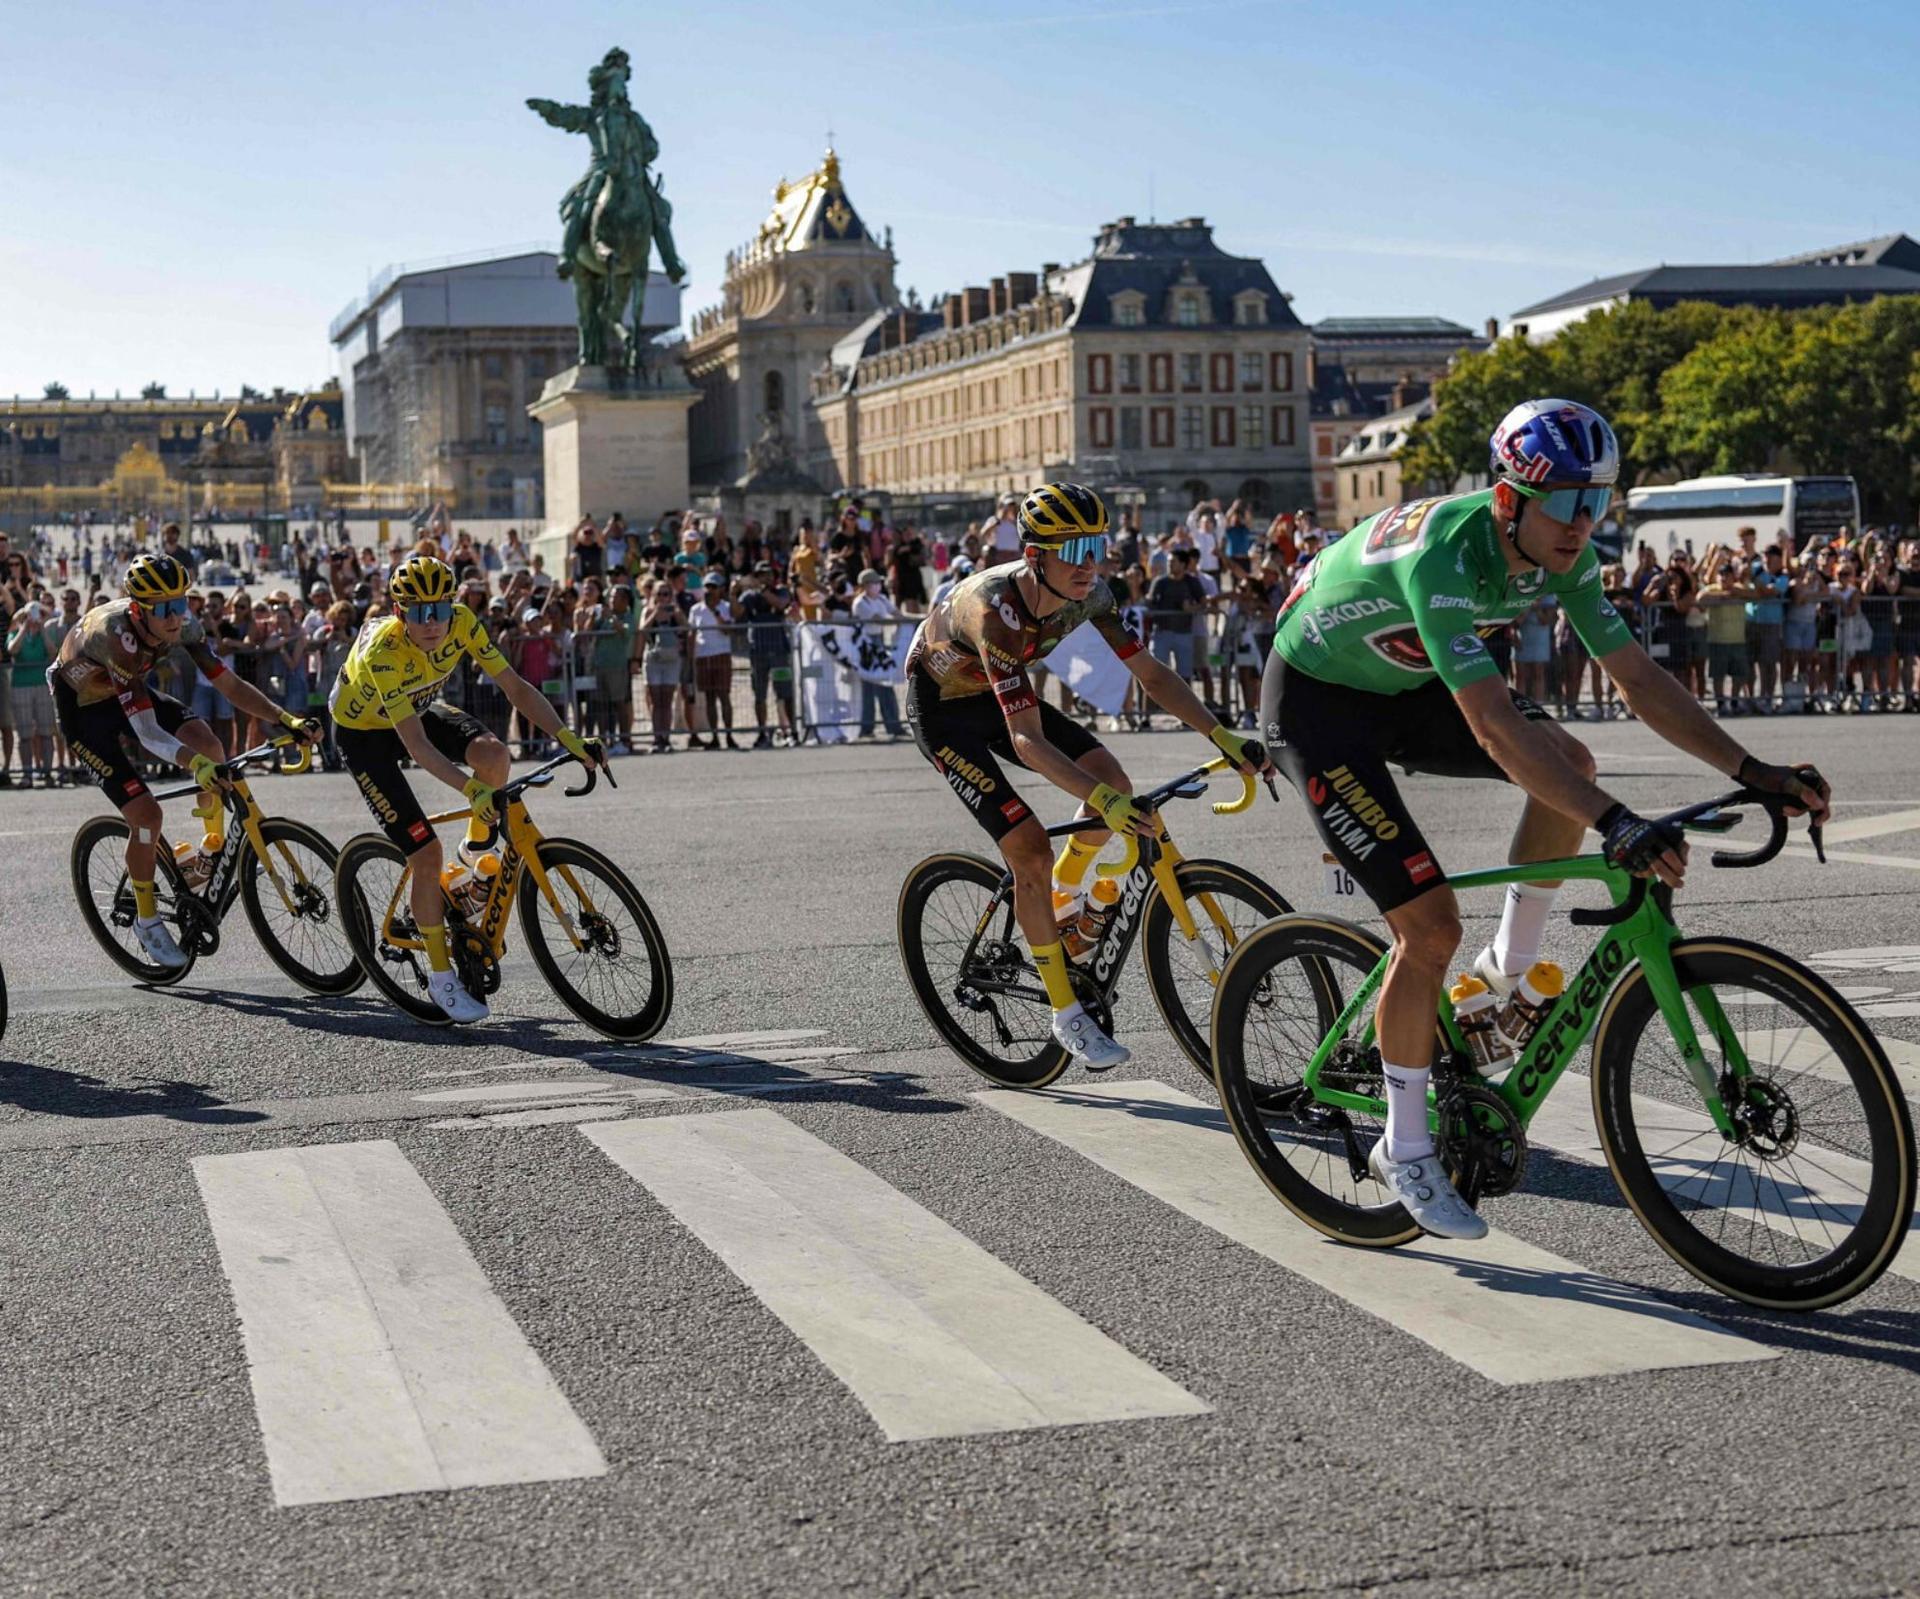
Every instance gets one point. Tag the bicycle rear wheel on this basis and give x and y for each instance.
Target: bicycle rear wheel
(1183, 974)
(370, 891)
(98, 863)
(1814, 1200)
(300, 932)
(991, 1008)
(596, 942)
(1281, 994)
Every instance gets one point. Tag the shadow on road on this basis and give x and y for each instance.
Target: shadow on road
(55, 1093)
(712, 1069)
(372, 1019)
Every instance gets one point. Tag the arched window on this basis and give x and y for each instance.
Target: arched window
(1257, 495)
(843, 297)
(773, 394)
(1195, 489)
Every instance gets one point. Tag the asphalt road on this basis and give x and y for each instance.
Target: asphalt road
(645, 1337)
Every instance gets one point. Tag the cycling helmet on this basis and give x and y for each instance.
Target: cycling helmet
(420, 579)
(153, 578)
(1555, 441)
(1056, 513)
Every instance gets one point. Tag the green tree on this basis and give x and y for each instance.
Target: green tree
(1723, 405)
(1614, 361)
(1480, 389)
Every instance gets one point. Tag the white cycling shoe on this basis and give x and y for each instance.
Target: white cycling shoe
(1422, 1185)
(156, 938)
(1487, 969)
(444, 989)
(1079, 1035)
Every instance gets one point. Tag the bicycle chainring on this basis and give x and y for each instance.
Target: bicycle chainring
(199, 926)
(1481, 1141)
(479, 971)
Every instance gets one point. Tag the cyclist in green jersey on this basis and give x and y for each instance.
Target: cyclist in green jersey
(1380, 655)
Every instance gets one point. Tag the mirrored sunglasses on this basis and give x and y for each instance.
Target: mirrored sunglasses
(160, 610)
(1078, 552)
(430, 611)
(1565, 505)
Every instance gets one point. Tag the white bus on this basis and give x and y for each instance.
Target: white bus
(1704, 511)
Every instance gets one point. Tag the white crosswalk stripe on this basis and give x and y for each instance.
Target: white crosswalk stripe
(381, 1361)
(932, 1334)
(1514, 1313)
(1825, 1187)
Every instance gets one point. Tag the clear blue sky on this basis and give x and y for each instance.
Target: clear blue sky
(190, 192)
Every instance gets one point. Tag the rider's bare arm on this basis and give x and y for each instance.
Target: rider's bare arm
(528, 701)
(425, 756)
(1031, 749)
(242, 695)
(1527, 752)
(1170, 692)
(1656, 697)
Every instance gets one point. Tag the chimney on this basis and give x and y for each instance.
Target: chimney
(997, 297)
(950, 312)
(1493, 329)
(973, 306)
(1022, 288)
(1124, 222)
(1313, 369)
(1405, 392)
(903, 327)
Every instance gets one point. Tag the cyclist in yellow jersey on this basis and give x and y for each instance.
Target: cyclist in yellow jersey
(385, 707)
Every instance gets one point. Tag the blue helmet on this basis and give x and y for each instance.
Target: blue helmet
(1555, 441)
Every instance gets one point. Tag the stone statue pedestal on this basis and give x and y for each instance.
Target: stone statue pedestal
(613, 441)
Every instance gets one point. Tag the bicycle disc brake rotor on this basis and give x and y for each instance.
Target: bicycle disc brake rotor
(1764, 1113)
(1483, 1144)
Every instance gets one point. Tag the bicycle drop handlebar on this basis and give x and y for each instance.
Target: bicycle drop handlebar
(1707, 817)
(1189, 785)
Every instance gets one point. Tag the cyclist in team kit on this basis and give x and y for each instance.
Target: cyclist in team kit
(100, 694)
(1378, 656)
(385, 707)
(971, 703)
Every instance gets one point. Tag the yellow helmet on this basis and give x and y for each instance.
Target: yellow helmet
(153, 578)
(420, 580)
(1057, 513)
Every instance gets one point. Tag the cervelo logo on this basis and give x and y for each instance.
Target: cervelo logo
(1582, 998)
(1314, 619)
(1132, 892)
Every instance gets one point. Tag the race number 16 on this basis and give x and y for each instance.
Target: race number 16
(1340, 883)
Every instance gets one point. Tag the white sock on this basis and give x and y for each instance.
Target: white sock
(1408, 1136)
(1523, 923)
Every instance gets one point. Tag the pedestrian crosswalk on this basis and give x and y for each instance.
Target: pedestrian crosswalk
(383, 1362)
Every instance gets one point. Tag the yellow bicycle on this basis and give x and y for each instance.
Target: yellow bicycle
(589, 931)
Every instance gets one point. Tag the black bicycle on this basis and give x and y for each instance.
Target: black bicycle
(973, 974)
(279, 869)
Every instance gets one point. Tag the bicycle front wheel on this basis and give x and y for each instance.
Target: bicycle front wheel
(1813, 1199)
(968, 966)
(1183, 973)
(371, 895)
(292, 912)
(1281, 994)
(98, 863)
(596, 942)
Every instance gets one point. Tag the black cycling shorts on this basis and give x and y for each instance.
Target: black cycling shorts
(1334, 743)
(374, 756)
(103, 740)
(966, 740)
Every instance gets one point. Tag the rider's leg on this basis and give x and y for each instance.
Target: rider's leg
(1426, 932)
(429, 902)
(143, 834)
(1077, 853)
(490, 762)
(1544, 834)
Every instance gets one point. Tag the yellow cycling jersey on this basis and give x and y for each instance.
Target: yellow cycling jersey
(385, 678)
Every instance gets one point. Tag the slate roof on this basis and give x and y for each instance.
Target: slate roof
(1387, 327)
(1772, 284)
(1889, 250)
(1151, 257)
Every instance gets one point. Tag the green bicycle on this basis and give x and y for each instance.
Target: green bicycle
(1760, 1135)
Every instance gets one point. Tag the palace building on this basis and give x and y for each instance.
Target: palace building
(251, 453)
(810, 274)
(1161, 369)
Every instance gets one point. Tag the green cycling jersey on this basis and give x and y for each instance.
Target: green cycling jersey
(1411, 593)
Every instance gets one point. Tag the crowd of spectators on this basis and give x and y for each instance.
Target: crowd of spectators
(672, 636)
